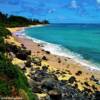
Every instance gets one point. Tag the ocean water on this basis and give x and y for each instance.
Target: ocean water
(78, 41)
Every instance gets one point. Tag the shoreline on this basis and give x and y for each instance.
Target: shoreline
(81, 62)
(55, 62)
(78, 60)
(25, 38)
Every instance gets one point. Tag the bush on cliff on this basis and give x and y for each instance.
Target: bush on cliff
(11, 77)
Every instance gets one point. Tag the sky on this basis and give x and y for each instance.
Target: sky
(56, 11)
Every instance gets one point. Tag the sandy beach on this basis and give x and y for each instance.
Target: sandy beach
(57, 62)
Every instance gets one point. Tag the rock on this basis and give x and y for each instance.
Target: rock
(12, 54)
(44, 58)
(98, 82)
(22, 45)
(23, 67)
(54, 76)
(28, 63)
(59, 60)
(39, 75)
(94, 88)
(36, 61)
(87, 90)
(43, 96)
(12, 48)
(93, 78)
(22, 56)
(62, 82)
(48, 83)
(28, 52)
(97, 95)
(86, 83)
(76, 86)
(55, 94)
(72, 79)
(36, 89)
(47, 52)
(79, 73)
(44, 68)
(57, 72)
(35, 86)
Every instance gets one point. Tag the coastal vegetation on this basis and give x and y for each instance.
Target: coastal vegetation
(12, 81)
(18, 21)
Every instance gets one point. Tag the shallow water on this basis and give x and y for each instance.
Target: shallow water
(75, 40)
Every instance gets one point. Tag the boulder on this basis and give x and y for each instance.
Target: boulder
(44, 68)
(28, 52)
(22, 45)
(97, 95)
(44, 58)
(93, 78)
(55, 94)
(36, 61)
(47, 52)
(39, 75)
(72, 79)
(23, 67)
(28, 63)
(79, 73)
(98, 82)
(86, 83)
(48, 83)
(22, 55)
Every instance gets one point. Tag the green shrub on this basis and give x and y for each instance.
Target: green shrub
(12, 75)
(4, 32)
(8, 69)
(22, 83)
(4, 88)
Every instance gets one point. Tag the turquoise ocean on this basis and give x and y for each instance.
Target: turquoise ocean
(78, 41)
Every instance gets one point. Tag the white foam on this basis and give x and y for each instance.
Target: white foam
(61, 51)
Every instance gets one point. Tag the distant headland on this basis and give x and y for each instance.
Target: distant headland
(18, 21)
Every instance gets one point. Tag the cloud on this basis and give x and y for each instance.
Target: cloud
(98, 1)
(74, 4)
(51, 10)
